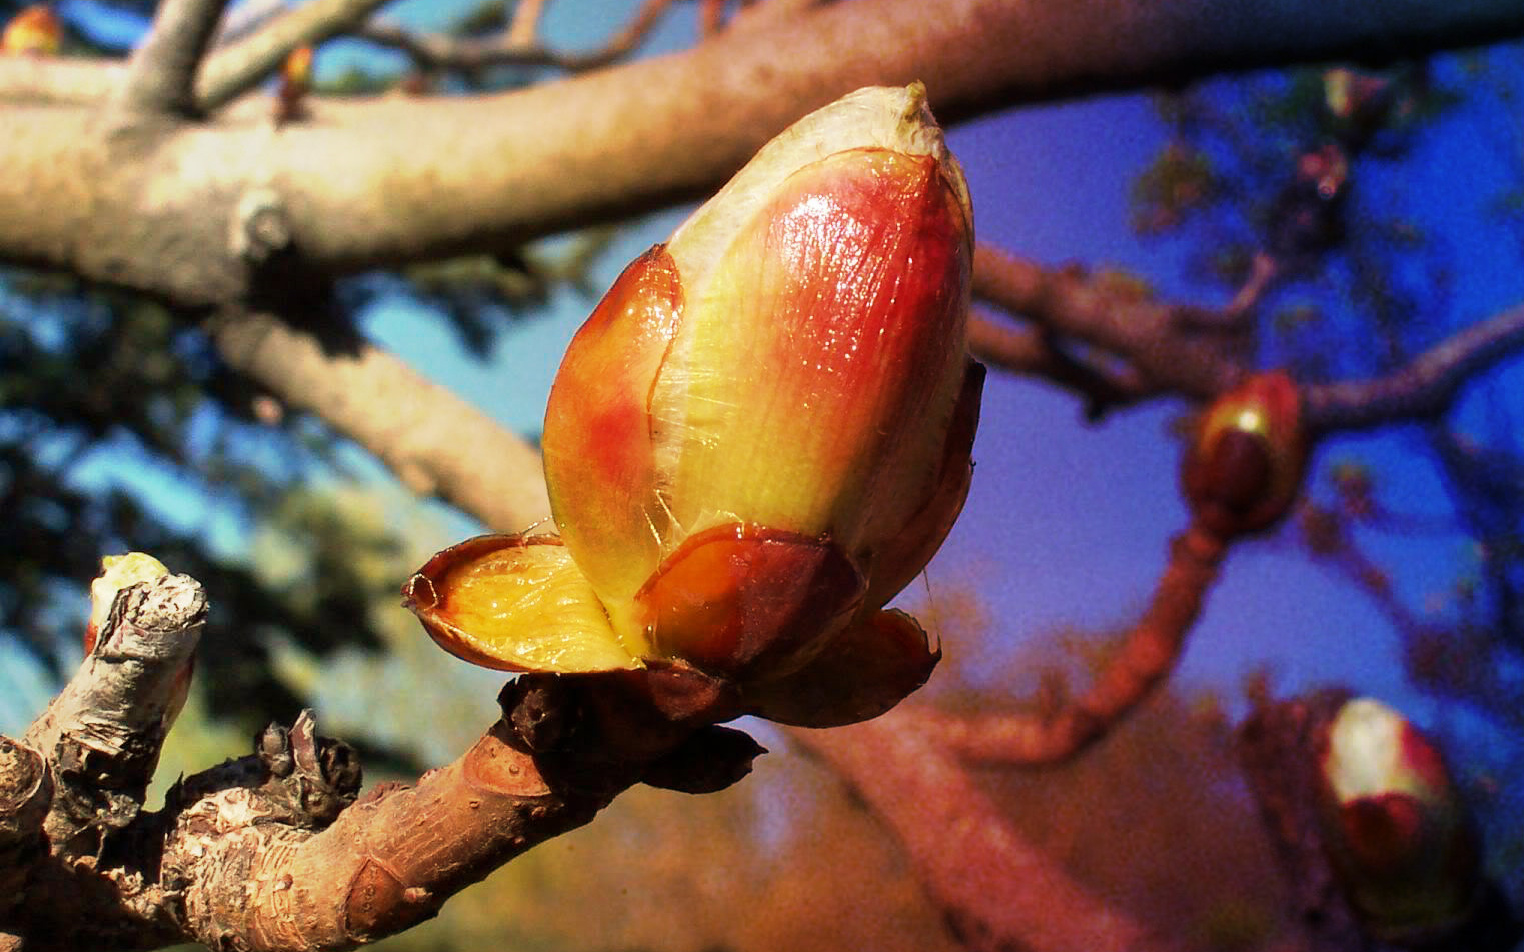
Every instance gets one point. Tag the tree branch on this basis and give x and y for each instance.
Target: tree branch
(1424, 388)
(26, 794)
(1026, 351)
(271, 851)
(437, 444)
(54, 79)
(243, 64)
(161, 73)
(996, 891)
(515, 47)
(1145, 658)
(1164, 345)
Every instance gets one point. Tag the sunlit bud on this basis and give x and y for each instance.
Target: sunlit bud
(36, 30)
(117, 572)
(295, 81)
(120, 572)
(1396, 832)
(1244, 466)
(763, 431)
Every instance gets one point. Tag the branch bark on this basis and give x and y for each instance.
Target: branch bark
(1163, 345)
(103, 732)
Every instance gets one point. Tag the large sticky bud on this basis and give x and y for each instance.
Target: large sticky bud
(35, 31)
(120, 572)
(1245, 462)
(790, 365)
(1396, 832)
(763, 431)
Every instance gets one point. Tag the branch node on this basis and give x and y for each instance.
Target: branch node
(260, 227)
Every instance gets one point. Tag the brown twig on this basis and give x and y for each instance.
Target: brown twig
(515, 47)
(1029, 352)
(1162, 344)
(1422, 389)
(242, 65)
(271, 852)
(1144, 659)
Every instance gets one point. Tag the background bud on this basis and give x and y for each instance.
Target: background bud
(1397, 834)
(1246, 458)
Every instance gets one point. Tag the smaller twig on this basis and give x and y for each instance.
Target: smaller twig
(465, 53)
(103, 732)
(1424, 388)
(1147, 655)
(525, 25)
(161, 73)
(244, 19)
(1156, 339)
(241, 66)
(1026, 351)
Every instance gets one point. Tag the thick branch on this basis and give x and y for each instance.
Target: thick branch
(475, 172)
(162, 71)
(1423, 389)
(386, 863)
(436, 443)
(997, 891)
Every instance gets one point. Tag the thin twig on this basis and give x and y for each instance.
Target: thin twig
(1145, 658)
(1424, 388)
(241, 66)
(440, 51)
(161, 73)
(525, 25)
(1026, 351)
(1158, 340)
